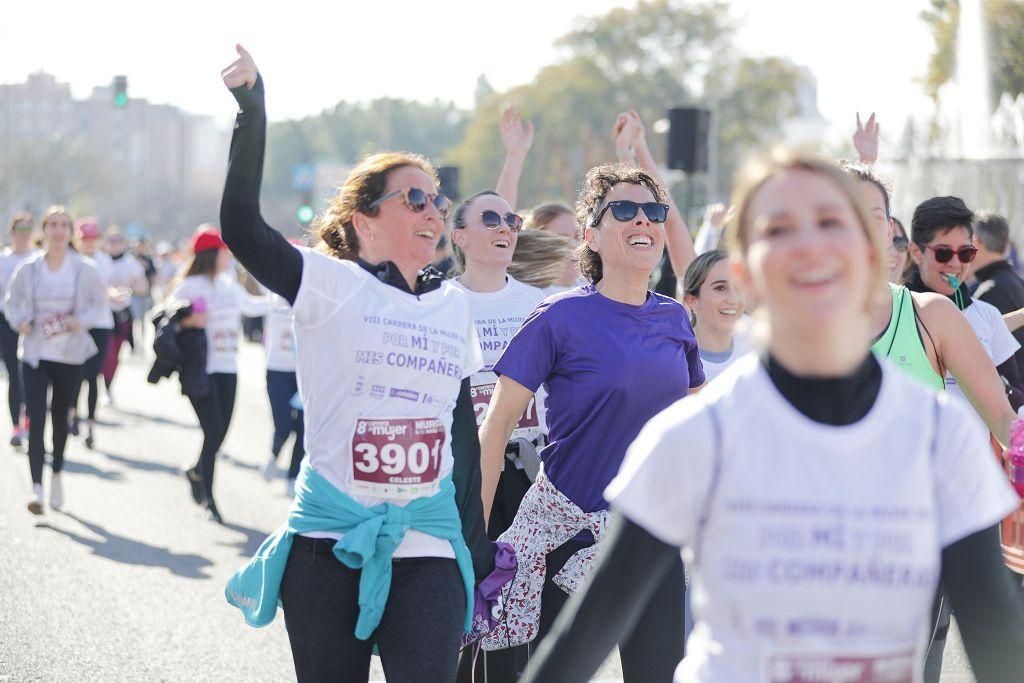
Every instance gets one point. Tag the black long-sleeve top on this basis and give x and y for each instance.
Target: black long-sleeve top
(987, 605)
(277, 264)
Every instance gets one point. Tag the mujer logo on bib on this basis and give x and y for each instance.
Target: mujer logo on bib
(397, 457)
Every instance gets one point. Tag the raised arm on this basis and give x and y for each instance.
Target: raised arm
(518, 139)
(629, 135)
(262, 250)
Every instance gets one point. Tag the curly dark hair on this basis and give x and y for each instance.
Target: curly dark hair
(596, 186)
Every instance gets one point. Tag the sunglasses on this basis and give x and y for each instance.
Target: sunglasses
(416, 200)
(944, 254)
(22, 227)
(492, 220)
(900, 243)
(624, 210)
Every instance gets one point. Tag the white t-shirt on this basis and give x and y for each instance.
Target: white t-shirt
(226, 302)
(9, 262)
(54, 306)
(279, 335)
(123, 272)
(101, 261)
(715, 362)
(497, 317)
(1000, 345)
(821, 545)
(379, 373)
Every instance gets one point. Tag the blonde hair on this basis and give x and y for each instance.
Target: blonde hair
(542, 215)
(364, 185)
(58, 210)
(758, 171)
(539, 258)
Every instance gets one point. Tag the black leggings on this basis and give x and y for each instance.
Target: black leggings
(214, 412)
(9, 351)
(419, 632)
(64, 379)
(91, 370)
(650, 653)
(281, 387)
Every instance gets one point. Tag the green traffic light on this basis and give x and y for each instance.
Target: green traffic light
(121, 100)
(304, 214)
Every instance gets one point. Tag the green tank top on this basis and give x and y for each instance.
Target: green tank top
(901, 342)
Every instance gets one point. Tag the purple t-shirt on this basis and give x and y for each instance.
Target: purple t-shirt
(608, 368)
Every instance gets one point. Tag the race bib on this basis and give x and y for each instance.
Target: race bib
(891, 667)
(397, 457)
(481, 396)
(225, 341)
(55, 324)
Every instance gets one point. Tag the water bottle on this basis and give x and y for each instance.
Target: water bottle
(1015, 454)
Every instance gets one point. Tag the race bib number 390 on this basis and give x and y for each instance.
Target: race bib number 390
(397, 457)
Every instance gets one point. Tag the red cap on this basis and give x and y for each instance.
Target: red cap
(206, 239)
(88, 229)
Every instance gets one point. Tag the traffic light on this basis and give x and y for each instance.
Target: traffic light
(305, 211)
(120, 91)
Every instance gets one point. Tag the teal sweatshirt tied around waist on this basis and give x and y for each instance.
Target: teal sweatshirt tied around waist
(370, 538)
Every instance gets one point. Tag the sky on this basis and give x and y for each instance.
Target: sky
(867, 55)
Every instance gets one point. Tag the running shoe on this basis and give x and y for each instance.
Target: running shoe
(73, 429)
(56, 492)
(35, 503)
(195, 482)
(269, 469)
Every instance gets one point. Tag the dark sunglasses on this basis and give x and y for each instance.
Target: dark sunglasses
(492, 220)
(900, 243)
(624, 210)
(22, 227)
(944, 254)
(416, 200)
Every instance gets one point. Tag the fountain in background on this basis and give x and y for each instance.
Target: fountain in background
(979, 153)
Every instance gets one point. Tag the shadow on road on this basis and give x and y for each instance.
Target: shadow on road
(158, 419)
(248, 546)
(237, 463)
(143, 465)
(128, 551)
(86, 468)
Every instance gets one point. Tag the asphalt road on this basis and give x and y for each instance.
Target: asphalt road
(126, 583)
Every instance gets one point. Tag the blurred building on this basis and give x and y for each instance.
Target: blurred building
(807, 126)
(147, 165)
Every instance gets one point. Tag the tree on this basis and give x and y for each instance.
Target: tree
(659, 54)
(1005, 22)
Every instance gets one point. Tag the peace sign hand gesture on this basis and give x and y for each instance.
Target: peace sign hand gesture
(866, 139)
(242, 71)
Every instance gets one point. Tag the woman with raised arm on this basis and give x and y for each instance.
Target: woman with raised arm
(374, 551)
(53, 299)
(610, 355)
(817, 494)
(631, 147)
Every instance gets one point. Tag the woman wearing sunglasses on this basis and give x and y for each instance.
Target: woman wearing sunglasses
(610, 355)
(900, 263)
(924, 334)
(942, 250)
(373, 552)
(485, 234)
(817, 494)
(21, 250)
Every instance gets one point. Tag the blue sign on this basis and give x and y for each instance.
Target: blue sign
(303, 177)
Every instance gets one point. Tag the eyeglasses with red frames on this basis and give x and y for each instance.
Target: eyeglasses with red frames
(944, 253)
(416, 200)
